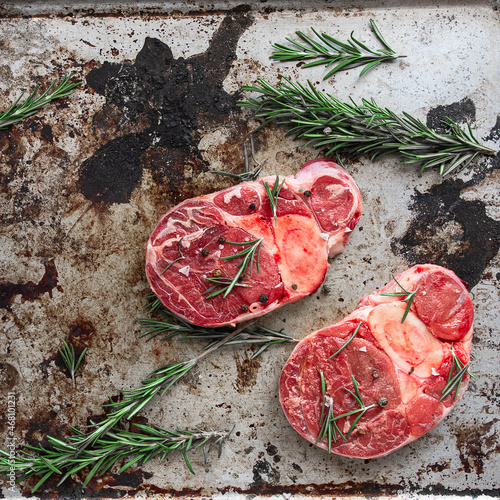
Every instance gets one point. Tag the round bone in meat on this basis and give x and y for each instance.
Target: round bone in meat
(316, 210)
(399, 371)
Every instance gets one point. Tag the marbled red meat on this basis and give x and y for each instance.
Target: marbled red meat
(400, 368)
(316, 210)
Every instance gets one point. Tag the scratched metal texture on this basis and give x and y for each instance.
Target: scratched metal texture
(84, 181)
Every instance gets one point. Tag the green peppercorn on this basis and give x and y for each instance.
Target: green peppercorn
(217, 273)
(375, 374)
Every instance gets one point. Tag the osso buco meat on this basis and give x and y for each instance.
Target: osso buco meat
(193, 251)
(395, 380)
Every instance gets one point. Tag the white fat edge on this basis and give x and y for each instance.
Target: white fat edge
(184, 270)
(363, 349)
(235, 192)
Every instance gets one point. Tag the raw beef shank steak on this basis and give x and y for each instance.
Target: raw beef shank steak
(199, 247)
(392, 380)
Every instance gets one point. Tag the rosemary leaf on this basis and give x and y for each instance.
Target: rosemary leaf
(408, 297)
(69, 357)
(178, 258)
(348, 342)
(455, 381)
(273, 194)
(324, 121)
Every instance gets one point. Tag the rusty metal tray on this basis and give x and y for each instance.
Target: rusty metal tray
(85, 180)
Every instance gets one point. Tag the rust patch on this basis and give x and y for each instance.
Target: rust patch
(29, 291)
(178, 99)
(247, 373)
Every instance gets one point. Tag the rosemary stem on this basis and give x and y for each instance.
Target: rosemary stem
(223, 341)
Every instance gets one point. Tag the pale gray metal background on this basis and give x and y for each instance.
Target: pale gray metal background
(89, 245)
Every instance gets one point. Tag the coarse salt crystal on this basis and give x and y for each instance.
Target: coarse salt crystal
(328, 401)
(434, 372)
(324, 236)
(363, 349)
(184, 270)
(348, 230)
(221, 247)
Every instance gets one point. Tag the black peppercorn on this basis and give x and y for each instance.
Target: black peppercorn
(204, 252)
(244, 308)
(294, 286)
(263, 298)
(252, 206)
(383, 402)
(307, 193)
(222, 240)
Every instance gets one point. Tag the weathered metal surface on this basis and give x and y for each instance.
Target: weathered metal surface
(85, 180)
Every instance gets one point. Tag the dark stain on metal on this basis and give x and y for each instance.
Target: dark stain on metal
(9, 377)
(80, 334)
(178, 98)
(460, 112)
(448, 230)
(264, 474)
(30, 290)
(46, 133)
(247, 373)
(475, 444)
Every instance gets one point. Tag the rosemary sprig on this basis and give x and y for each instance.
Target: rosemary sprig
(273, 194)
(408, 297)
(135, 447)
(173, 326)
(32, 104)
(356, 129)
(178, 258)
(331, 51)
(69, 357)
(348, 342)
(328, 425)
(84, 444)
(249, 257)
(455, 381)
